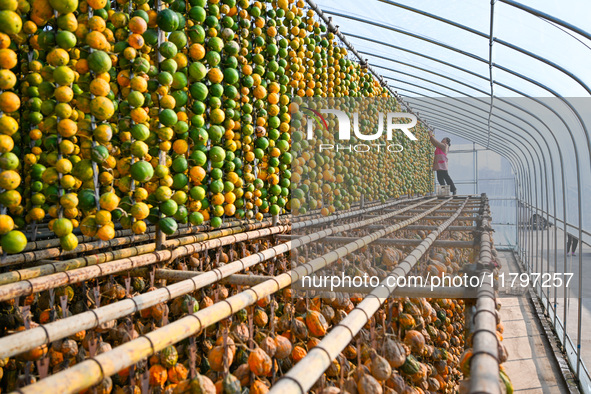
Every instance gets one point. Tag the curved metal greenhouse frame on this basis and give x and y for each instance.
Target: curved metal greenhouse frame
(527, 139)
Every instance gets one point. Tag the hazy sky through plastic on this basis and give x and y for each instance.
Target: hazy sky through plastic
(412, 68)
(567, 49)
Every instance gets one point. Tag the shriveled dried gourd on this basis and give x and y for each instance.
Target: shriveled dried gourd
(379, 367)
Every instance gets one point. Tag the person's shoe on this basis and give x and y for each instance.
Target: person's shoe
(454, 192)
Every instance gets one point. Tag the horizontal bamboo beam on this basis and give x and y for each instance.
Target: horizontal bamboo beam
(178, 275)
(85, 261)
(327, 219)
(400, 292)
(397, 242)
(465, 211)
(459, 219)
(91, 372)
(381, 207)
(327, 291)
(302, 376)
(428, 228)
(89, 244)
(469, 208)
(28, 273)
(46, 238)
(409, 242)
(190, 245)
(314, 214)
(23, 341)
(53, 252)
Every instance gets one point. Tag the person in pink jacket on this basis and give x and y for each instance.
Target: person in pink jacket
(440, 161)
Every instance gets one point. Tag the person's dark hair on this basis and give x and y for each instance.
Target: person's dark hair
(448, 141)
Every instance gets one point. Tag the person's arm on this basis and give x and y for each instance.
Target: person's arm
(437, 144)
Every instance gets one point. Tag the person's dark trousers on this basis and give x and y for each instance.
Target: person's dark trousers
(571, 243)
(444, 179)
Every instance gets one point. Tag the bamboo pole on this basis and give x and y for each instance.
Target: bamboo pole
(447, 211)
(66, 265)
(316, 212)
(47, 269)
(24, 341)
(297, 225)
(401, 292)
(89, 244)
(307, 371)
(420, 227)
(459, 219)
(52, 242)
(327, 291)
(484, 364)
(91, 372)
(192, 244)
(28, 257)
(36, 247)
(407, 242)
(177, 275)
(48, 240)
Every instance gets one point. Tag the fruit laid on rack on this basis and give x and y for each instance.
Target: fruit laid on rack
(152, 162)
(410, 344)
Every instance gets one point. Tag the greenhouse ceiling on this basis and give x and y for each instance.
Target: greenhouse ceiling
(458, 33)
(510, 76)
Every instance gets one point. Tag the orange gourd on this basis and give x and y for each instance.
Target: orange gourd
(465, 361)
(177, 373)
(269, 346)
(158, 375)
(298, 353)
(258, 387)
(216, 358)
(259, 362)
(284, 347)
(316, 323)
(415, 341)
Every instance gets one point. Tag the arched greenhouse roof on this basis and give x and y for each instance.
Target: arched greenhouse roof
(509, 76)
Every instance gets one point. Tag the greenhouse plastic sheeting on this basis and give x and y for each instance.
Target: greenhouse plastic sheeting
(510, 24)
(510, 78)
(475, 170)
(425, 61)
